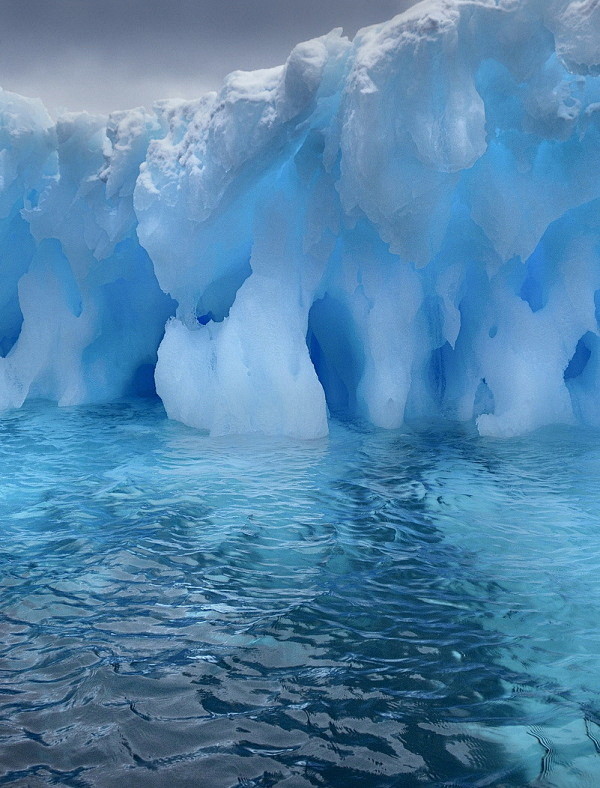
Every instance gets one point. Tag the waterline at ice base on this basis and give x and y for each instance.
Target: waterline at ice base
(403, 228)
(319, 504)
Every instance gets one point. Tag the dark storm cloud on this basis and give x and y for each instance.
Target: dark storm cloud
(114, 54)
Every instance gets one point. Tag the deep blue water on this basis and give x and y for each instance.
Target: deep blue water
(374, 609)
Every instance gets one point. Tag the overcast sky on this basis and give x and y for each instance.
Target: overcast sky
(102, 55)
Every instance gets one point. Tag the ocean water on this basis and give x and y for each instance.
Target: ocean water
(375, 609)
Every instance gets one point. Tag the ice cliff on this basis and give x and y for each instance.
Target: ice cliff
(404, 227)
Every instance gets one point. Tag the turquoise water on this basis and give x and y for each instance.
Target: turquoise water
(374, 609)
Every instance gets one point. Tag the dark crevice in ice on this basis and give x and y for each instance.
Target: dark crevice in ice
(336, 353)
(483, 403)
(534, 288)
(439, 362)
(216, 301)
(579, 360)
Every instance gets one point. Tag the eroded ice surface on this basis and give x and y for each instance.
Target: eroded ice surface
(402, 227)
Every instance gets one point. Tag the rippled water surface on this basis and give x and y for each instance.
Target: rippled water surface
(374, 609)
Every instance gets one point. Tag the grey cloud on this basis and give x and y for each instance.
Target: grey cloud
(102, 55)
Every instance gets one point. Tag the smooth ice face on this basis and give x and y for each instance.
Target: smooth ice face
(402, 228)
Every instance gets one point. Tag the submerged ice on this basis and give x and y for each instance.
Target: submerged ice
(404, 227)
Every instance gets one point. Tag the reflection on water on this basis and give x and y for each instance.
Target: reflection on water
(374, 609)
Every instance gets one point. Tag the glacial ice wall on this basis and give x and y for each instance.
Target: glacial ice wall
(402, 228)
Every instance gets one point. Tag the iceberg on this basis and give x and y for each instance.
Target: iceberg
(399, 228)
